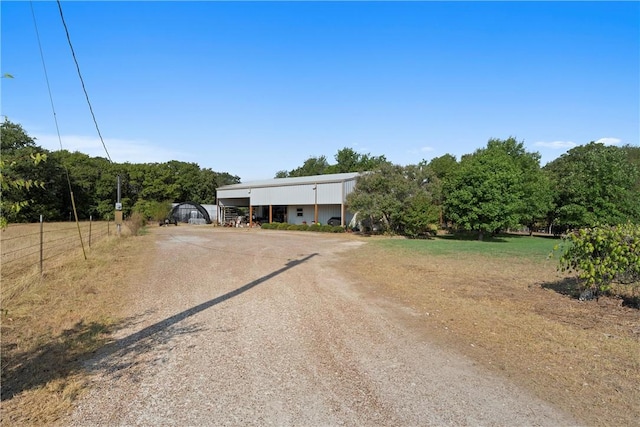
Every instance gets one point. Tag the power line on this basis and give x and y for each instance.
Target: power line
(46, 77)
(82, 80)
(57, 128)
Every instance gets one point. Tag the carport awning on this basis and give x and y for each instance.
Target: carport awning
(236, 201)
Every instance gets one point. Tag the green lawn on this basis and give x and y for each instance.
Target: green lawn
(534, 248)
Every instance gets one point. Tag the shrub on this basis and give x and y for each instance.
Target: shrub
(303, 227)
(293, 227)
(135, 223)
(282, 226)
(268, 226)
(603, 255)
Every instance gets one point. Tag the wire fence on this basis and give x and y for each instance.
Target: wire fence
(29, 248)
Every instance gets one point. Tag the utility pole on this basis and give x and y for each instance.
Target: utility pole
(118, 213)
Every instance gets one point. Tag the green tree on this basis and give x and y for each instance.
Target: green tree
(595, 184)
(85, 176)
(396, 197)
(159, 183)
(485, 193)
(18, 167)
(442, 168)
(633, 156)
(536, 194)
(223, 178)
(349, 160)
(152, 210)
(420, 214)
(311, 166)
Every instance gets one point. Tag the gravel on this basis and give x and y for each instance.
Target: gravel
(238, 327)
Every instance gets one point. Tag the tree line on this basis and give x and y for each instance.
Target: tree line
(500, 186)
(146, 187)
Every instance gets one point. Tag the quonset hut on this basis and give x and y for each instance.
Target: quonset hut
(297, 200)
(190, 212)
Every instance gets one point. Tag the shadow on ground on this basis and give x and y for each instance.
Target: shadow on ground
(570, 286)
(65, 354)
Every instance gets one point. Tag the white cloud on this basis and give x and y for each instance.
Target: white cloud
(120, 150)
(609, 141)
(560, 145)
(425, 149)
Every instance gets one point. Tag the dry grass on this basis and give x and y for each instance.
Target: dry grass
(60, 241)
(507, 313)
(510, 315)
(50, 324)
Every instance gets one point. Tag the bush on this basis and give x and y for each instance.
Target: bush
(603, 255)
(135, 222)
(152, 210)
(303, 227)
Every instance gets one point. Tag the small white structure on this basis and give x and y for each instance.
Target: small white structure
(297, 200)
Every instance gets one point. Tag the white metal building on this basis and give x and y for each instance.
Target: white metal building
(291, 200)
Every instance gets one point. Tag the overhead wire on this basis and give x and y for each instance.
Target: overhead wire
(86, 95)
(46, 75)
(75, 60)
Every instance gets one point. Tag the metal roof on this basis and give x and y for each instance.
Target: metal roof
(281, 182)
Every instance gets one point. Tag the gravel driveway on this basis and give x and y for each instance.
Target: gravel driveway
(257, 327)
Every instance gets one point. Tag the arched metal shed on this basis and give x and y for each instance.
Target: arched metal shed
(190, 212)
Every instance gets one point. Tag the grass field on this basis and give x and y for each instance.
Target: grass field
(27, 247)
(534, 248)
(502, 303)
(50, 323)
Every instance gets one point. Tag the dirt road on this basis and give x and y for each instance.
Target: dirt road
(251, 327)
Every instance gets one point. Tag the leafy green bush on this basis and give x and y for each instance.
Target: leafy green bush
(603, 255)
(153, 210)
(282, 226)
(293, 227)
(303, 227)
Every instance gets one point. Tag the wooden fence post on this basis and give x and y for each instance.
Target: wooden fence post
(41, 243)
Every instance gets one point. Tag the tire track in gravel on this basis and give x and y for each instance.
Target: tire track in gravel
(281, 339)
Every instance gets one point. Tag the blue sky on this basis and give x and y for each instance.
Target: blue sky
(251, 88)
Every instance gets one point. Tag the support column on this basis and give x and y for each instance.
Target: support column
(270, 214)
(315, 206)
